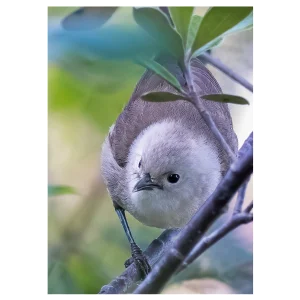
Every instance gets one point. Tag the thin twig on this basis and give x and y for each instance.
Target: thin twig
(226, 70)
(235, 221)
(238, 172)
(205, 115)
(240, 198)
(249, 207)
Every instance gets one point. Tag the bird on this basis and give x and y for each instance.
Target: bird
(160, 161)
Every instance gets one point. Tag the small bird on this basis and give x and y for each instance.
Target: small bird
(160, 161)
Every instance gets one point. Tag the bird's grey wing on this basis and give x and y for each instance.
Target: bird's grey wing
(112, 173)
(139, 114)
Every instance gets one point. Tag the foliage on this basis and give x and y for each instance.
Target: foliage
(190, 37)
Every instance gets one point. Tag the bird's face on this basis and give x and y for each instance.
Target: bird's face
(168, 175)
(169, 178)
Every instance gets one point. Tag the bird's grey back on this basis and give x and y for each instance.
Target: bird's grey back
(139, 114)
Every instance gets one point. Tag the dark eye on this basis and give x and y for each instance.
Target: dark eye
(140, 163)
(173, 178)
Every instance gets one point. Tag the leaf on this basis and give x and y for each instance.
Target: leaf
(225, 98)
(57, 190)
(110, 42)
(87, 18)
(181, 17)
(162, 97)
(157, 25)
(217, 21)
(192, 30)
(246, 24)
(161, 71)
(213, 44)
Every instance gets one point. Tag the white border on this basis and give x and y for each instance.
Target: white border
(44, 147)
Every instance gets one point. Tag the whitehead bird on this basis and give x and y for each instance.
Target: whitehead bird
(160, 161)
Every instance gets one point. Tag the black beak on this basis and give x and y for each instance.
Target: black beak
(146, 183)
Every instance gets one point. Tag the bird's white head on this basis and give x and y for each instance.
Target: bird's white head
(170, 173)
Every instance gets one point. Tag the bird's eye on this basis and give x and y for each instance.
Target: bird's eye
(173, 178)
(140, 163)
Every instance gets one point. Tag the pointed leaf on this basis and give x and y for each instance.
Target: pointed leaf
(225, 98)
(87, 18)
(193, 29)
(156, 24)
(213, 44)
(162, 97)
(57, 190)
(181, 17)
(246, 24)
(161, 71)
(217, 21)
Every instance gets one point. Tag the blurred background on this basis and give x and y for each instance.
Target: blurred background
(87, 247)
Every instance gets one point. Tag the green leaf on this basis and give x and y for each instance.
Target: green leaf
(181, 17)
(156, 24)
(217, 22)
(57, 190)
(87, 18)
(213, 44)
(225, 98)
(246, 24)
(193, 29)
(162, 97)
(161, 71)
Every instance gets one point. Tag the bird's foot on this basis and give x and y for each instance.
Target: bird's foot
(140, 261)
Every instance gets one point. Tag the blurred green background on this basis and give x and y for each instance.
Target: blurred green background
(87, 247)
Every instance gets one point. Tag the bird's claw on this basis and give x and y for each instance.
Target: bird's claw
(128, 262)
(140, 261)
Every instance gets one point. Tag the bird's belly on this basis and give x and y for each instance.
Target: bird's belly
(164, 213)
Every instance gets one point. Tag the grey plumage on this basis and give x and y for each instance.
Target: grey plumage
(138, 115)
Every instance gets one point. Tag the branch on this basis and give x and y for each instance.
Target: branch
(189, 236)
(240, 198)
(219, 65)
(131, 275)
(205, 115)
(236, 220)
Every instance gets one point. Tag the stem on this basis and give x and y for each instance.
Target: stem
(240, 198)
(219, 65)
(205, 115)
(249, 207)
(235, 221)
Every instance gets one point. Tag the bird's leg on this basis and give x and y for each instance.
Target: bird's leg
(137, 255)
